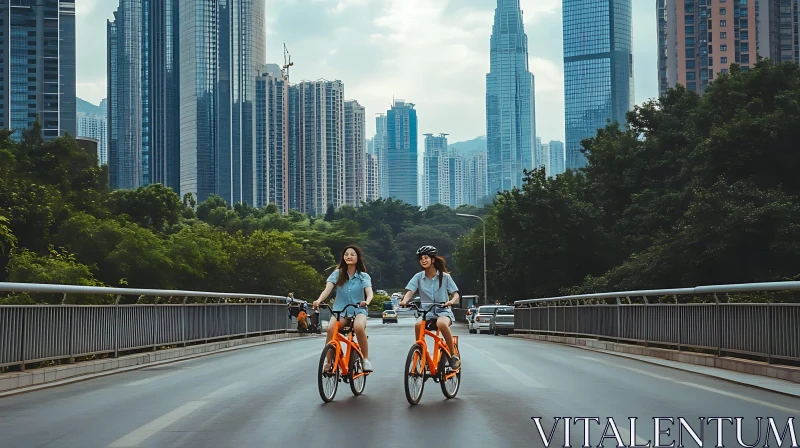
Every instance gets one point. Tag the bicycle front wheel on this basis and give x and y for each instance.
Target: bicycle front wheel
(358, 378)
(328, 379)
(449, 378)
(415, 374)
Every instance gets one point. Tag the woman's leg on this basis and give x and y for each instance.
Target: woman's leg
(360, 327)
(444, 327)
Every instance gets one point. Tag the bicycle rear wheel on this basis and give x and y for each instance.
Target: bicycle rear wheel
(450, 386)
(356, 369)
(415, 374)
(328, 381)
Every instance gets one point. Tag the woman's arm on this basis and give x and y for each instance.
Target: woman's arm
(368, 290)
(324, 295)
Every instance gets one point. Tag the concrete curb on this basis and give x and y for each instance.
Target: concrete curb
(31, 380)
(786, 373)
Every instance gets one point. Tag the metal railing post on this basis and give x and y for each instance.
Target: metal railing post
(155, 320)
(619, 318)
(679, 322)
(115, 330)
(768, 327)
(22, 338)
(183, 321)
(718, 319)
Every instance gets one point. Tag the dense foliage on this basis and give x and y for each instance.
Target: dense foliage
(60, 224)
(693, 190)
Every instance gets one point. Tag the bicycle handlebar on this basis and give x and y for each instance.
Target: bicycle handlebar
(338, 313)
(430, 308)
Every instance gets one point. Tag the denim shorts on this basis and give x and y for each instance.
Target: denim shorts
(439, 312)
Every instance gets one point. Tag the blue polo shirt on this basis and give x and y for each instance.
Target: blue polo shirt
(429, 290)
(352, 292)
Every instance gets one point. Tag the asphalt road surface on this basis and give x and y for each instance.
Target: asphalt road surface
(267, 396)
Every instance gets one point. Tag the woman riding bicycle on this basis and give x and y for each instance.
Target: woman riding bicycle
(352, 284)
(435, 284)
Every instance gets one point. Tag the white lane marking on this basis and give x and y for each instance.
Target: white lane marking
(643, 372)
(698, 386)
(149, 380)
(145, 432)
(513, 371)
(224, 390)
(741, 397)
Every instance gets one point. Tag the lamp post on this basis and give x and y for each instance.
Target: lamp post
(485, 294)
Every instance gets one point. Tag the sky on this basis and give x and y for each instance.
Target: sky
(433, 53)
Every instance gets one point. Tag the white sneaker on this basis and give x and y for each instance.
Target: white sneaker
(367, 366)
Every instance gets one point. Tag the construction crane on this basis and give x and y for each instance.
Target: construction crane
(287, 62)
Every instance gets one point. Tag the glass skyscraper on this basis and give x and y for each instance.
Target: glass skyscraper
(223, 48)
(143, 107)
(510, 100)
(598, 69)
(401, 152)
(37, 67)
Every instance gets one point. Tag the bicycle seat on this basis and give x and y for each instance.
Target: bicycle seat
(431, 325)
(345, 329)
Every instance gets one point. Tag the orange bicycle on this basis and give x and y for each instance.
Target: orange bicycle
(347, 366)
(420, 366)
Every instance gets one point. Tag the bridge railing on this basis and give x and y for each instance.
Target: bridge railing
(36, 333)
(768, 331)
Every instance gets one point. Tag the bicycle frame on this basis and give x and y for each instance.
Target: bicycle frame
(439, 343)
(342, 361)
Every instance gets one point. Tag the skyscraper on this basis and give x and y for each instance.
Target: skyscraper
(598, 69)
(355, 173)
(316, 146)
(143, 109)
(379, 144)
(272, 138)
(401, 152)
(699, 39)
(222, 50)
(510, 100)
(556, 158)
(37, 67)
(435, 147)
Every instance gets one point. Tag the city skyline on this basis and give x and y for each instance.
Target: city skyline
(360, 44)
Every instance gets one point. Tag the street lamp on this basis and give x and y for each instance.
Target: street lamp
(485, 295)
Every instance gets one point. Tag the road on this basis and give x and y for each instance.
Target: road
(267, 396)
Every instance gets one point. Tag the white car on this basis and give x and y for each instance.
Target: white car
(483, 318)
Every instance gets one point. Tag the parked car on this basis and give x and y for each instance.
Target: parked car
(483, 318)
(389, 316)
(503, 321)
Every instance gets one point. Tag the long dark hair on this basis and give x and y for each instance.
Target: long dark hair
(360, 266)
(441, 265)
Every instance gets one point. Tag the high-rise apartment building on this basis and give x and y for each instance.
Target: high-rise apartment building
(355, 128)
(598, 69)
(510, 100)
(778, 37)
(373, 192)
(700, 39)
(476, 177)
(316, 146)
(541, 156)
(557, 158)
(401, 152)
(37, 67)
(272, 138)
(379, 144)
(222, 50)
(95, 126)
(143, 109)
(433, 161)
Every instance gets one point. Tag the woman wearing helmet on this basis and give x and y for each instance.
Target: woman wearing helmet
(435, 285)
